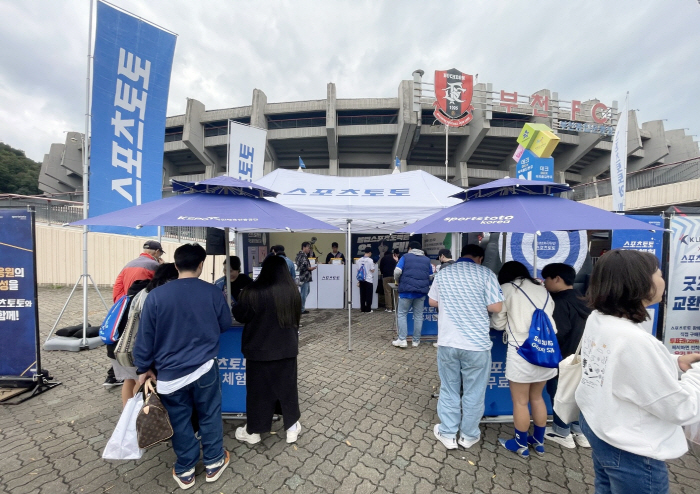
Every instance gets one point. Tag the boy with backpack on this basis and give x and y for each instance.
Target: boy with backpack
(365, 278)
(570, 314)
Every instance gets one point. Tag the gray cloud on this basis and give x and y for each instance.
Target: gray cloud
(291, 50)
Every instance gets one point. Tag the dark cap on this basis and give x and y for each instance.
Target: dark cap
(153, 245)
(445, 252)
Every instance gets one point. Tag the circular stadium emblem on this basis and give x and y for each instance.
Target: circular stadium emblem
(566, 247)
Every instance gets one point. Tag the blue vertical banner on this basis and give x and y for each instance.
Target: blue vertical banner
(18, 322)
(644, 241)
(131, 79)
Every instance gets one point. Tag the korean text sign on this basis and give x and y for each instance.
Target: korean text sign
(644, 241)
(232, 369)
(246, 152)
(18, 333)
(682, 325)
(131, 80)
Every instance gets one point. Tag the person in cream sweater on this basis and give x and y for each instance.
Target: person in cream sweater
(634, 395)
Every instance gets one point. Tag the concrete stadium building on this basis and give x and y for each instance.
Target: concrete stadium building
(362, 137)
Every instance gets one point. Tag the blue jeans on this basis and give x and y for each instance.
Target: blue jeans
(620, 472)
(464, 375)
(405, 305)
(203, 395)
(305, 289)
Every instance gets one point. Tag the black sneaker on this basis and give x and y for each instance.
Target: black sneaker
(112, 382)
(305, 312)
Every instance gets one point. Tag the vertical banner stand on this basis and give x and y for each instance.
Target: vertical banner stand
(41, 381)
(84, 345)
(348, 269)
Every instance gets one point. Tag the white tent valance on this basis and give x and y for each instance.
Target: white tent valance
(378, 204)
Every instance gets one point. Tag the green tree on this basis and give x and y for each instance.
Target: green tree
(18, 174)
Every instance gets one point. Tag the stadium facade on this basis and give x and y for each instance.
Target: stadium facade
(363, 136)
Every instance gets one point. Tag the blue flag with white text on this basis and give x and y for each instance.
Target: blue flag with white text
(131, 79)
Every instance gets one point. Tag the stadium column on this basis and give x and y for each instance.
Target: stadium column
(407, 125)
(478, 128)
(258, 119)
(655, 148)
(193, 137)
(332, 130)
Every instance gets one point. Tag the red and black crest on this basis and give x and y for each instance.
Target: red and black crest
(453, 93)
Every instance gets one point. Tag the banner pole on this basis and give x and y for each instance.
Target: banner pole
(228, 267)
(534, 260)
(348, 262)
(86, 166)
(447, 149)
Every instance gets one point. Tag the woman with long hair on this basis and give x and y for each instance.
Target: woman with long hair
(270, 308)
(522, 295)
(138, 291)
(633, 395)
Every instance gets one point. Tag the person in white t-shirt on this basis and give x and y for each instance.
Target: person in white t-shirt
(366, 285)
(464, 293)
(634, 395)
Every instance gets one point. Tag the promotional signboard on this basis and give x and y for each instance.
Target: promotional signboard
(567, 247)
(682, 325)
(531, 167)
(381, 244)
(232, 370)
(18, 311)
(246, 152)
(433, 242)
(644, 241)
(131, 80)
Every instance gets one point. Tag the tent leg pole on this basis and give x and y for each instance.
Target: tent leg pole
(348, 265)
(228, 268)
(534, 260)
(503, 248)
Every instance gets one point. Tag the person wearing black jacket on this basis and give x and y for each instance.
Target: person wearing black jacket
(570, 314)
(270, 308)
(387, 264)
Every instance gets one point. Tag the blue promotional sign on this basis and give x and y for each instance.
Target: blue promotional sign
(131, 79)
(644, 241)
(532, 167)
(18, 311)
(232, 371)
(430, 321)
(498, 400)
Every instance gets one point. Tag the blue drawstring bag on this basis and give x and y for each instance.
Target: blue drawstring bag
(109, 330)
(541, 347)
(361, 273)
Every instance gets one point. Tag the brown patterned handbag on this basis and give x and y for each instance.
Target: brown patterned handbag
(152, 424)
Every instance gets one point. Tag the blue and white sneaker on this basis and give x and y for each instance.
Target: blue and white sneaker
(515, 447)
(185, 480)
(214, 471)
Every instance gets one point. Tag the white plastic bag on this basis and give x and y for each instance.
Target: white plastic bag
(123, 445)
(570, 372)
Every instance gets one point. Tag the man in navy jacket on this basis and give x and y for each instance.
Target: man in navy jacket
(413, 274)
(178, 341)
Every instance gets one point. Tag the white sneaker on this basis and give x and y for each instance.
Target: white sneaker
(292, 435)
(399, 343)
(448, 443)
(415, 344)
(467, 443)
(581, 440)
(566, 441)
(242, 435)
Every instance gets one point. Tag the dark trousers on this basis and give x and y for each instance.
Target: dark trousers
(204, 396)
(366, 296)
(271, 388)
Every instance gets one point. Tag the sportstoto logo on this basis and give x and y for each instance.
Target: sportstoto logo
(484, 220)
(687, 239)
(453, 97)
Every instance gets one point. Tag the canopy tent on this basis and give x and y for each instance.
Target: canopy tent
(379, 204)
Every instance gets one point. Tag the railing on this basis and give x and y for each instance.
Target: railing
(51, 211)
(296, 123)
(671, 173)
(176, 136)
(367, 119)
(186, 233)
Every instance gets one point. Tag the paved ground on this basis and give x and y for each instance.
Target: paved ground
(367, 418)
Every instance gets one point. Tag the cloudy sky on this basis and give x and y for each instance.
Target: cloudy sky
(292, 49)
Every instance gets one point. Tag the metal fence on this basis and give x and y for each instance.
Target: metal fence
(186, 233)
(644, 179)
(51, 211)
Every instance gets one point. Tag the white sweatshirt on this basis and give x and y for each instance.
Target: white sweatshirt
(630, 392)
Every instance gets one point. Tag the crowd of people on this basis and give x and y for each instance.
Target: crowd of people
(633, 395)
